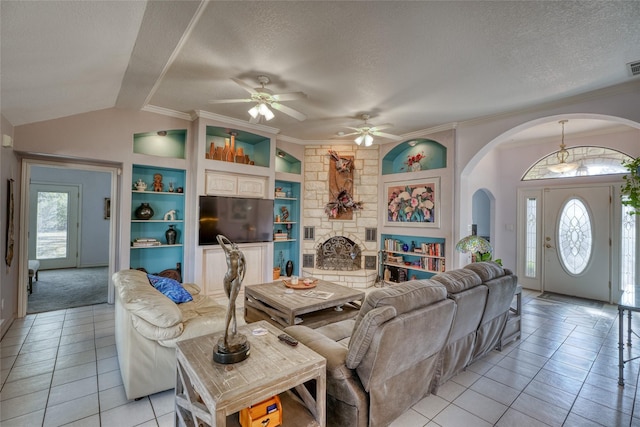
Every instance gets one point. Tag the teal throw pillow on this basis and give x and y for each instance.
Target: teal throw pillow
(170, 288)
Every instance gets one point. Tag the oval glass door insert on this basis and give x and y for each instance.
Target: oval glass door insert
(575, 236)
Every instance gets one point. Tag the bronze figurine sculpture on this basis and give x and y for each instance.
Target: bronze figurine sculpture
(233, 347)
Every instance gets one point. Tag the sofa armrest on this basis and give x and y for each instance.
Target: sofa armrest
(335, 353)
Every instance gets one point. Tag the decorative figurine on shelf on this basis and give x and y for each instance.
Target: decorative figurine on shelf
(144, 211)
(157, 182)
(171, 190)
(233, 347)
(171, 235)
(285, 214)
(140, 185)
(170, 216)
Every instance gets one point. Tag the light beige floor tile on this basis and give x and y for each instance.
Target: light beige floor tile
(466, 378)
(559, 381)
(513, 418)
(453, 416)
(550, 394)
(9, 350)
(36, 356)
(168, 420)
(109, 380)
(26, 386)
(19, 406)
(112, 397)
(7, 362)
(91, 421)
(520, 367)
(540, 410)
(409, 419)
(76, 338)
(105, 341)
(450, 390)
(614, 399)
(72, 410)
(76, 329)
(73, 390)
(74, 373)
(574, 420)
(75, 359)
(30, 370)
(599, 413)
(430, 406)
(482, 406)
(495, 390)
(34, 346)
(76, 348)
(105, 352)
(31, 419)
(508, 378)
(567, 370)
(14, 340)
(131, 414)
(43, 335)
(163, 402)
(107, 365)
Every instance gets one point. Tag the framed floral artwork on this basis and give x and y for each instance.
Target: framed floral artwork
(413, 203)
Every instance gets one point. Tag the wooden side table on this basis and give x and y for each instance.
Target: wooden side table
(212, 394)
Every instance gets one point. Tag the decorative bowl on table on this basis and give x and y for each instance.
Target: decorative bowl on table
(303, 283)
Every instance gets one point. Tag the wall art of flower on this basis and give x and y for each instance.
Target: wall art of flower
(413, 204)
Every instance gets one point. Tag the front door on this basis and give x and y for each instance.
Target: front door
(577, 241)
(53, 225)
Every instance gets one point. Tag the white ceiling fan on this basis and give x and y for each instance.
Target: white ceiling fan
(265, 98)
(366, 132)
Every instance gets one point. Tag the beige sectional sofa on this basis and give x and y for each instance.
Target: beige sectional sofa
(147, 327)
(407, 340)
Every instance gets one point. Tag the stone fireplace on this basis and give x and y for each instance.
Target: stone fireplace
(339, 253)
(340, 250)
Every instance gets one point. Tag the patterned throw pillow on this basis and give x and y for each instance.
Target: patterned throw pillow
(170, 288)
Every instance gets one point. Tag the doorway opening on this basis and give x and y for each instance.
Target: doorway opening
(70, 233)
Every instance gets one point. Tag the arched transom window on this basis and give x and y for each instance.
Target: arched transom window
(586, 161)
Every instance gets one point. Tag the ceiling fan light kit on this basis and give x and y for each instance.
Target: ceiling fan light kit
(366, 132)
(265, 98)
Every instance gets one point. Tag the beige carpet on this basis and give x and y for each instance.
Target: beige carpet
(68, 288)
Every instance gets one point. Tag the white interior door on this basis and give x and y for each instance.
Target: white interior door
(53, 225)
(577, 249)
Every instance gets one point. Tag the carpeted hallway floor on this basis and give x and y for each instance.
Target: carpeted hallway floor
(68, 288)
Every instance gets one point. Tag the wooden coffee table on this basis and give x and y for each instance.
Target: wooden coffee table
(212, 394)
(272, 302)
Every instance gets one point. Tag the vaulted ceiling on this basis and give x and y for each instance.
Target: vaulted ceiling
(415, 64)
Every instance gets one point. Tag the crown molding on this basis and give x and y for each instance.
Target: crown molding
(167, 112)
(234, 122)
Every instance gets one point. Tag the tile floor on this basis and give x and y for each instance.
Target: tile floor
(60, 368)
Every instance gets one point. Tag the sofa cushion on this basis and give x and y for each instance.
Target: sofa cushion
(458, 280)
(487, 270)
(145, 301)
(361, 338)
(170, 288)
(404, 297)
(154, 332)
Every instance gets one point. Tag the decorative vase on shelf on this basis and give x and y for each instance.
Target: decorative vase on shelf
(171, 235)
(416, 167)
(289, 268)
(144, 211)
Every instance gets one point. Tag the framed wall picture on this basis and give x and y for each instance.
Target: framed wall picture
(413, 203)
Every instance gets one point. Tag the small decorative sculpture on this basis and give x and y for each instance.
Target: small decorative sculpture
(342, 164)
(233, 347)
(170, 216)
(140, 185)
(285, 214)
(157, 182)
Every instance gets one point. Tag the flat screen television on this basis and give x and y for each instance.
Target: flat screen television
(241, 220)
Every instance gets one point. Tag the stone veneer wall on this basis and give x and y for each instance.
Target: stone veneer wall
(316, 196)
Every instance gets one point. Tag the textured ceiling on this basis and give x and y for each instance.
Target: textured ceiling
(413, 64)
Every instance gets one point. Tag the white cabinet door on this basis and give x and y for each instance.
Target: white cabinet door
(249, 186)
(215, 267)
(221, 184)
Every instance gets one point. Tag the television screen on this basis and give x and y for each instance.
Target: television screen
(241, 220)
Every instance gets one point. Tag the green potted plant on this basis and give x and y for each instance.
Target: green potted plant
(630, 191)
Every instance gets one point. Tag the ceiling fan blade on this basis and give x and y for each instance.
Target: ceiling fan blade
(349, 134)
(254, 120)
(244, 85)
(387, 135)
(289, 111)
(229, 101)
(358, 130)
(289, 96)
(381, 127)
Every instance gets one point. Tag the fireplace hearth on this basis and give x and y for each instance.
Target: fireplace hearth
(339, 253)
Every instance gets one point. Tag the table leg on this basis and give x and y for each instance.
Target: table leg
(629, 330)
(621, 346)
